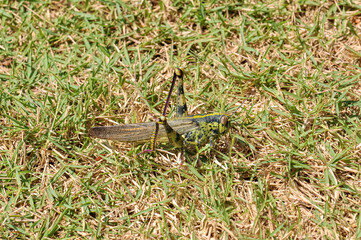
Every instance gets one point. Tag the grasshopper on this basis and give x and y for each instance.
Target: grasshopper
(179, 131)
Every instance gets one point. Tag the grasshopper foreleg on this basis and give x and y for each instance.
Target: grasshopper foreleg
(176, 139)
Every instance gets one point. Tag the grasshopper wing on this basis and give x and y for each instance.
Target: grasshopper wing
(141, 132)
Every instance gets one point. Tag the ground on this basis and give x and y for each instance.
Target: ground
(288, 169)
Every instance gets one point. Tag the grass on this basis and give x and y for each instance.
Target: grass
(290, 169)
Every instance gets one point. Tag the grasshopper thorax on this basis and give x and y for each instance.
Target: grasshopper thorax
(210, 126)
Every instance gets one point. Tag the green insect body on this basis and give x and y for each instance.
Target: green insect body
(142, 132)
(193, 129)
(208, 127)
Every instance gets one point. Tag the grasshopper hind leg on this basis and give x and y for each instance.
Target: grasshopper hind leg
(182, 110)
(176, 139)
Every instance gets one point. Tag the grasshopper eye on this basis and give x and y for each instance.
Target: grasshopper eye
(224, 120)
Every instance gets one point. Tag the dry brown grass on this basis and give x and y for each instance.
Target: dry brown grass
(293, 170)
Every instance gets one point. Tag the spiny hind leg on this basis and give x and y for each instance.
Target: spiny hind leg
(181, 100)
(177, 74)
(174, 137)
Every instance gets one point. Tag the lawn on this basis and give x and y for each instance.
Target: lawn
(289, 168)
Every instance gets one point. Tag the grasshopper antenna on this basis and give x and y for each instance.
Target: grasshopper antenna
(238, 108)
(235, 112)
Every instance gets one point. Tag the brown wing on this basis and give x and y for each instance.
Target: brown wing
(141, 132)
